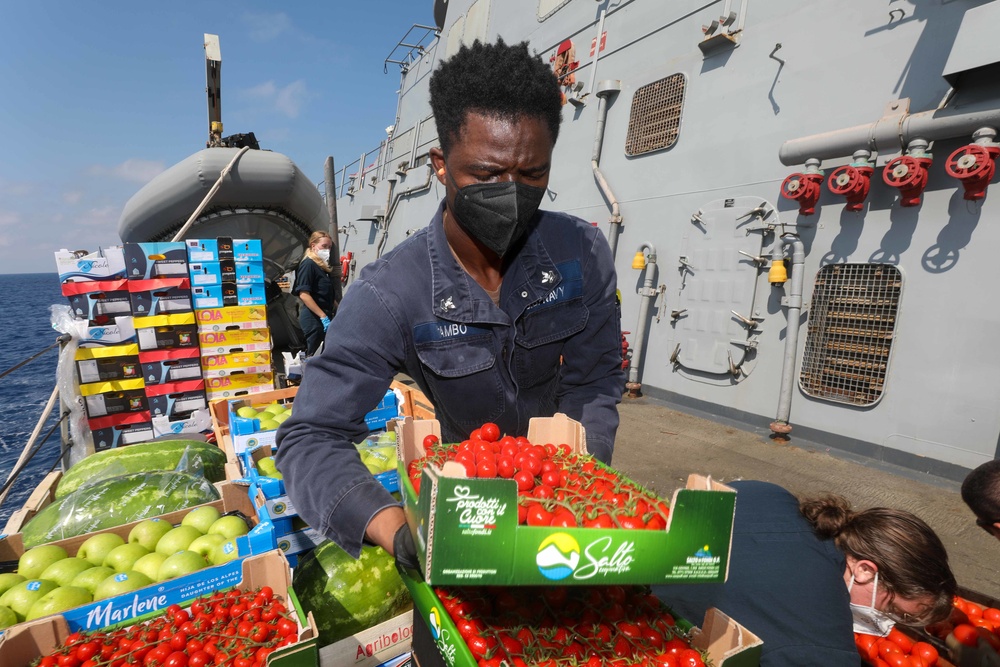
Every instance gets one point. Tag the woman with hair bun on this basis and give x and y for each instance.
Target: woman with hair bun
(805, 576)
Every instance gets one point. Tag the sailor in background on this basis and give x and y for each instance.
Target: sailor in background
(498, 311)
(804, 577)
(981, 492)
(314, 285)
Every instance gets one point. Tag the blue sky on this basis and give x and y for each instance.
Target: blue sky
(100, 96)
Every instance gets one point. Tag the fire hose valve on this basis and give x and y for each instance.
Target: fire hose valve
(908, 173)
(853, 181)
(804, 189)
(974, 165)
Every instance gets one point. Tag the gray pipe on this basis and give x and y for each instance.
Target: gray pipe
(331, 207)
(647, 294)
(892, 133)
(606, 90)
(780, 425)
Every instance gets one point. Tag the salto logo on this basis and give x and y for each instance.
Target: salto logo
(434, 622)
(558, 555)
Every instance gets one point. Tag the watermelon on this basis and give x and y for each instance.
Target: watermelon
(116, 501)
(346, 595)
(190, 456)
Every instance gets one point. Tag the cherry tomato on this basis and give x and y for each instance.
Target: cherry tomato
(665, 660)
(176, 659)
(966, 634)
(927, 653)
(490, 432)
(901, 640)
(199, 659)
(689, 658)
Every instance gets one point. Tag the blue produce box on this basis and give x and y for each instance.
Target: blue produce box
(222, 248)
(156, 260)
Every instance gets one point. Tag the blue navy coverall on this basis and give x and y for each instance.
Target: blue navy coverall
(417, 311)
(785, 584)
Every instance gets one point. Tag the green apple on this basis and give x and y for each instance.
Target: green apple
(203, 545)
(201, 518)
(229, 526)
(150, 564)
(97, 547)
(121, 559)
(148, 532)
(275, 409)
(90, 578)
(8, 579)
(268, 425)
(247, 412)
(177, 539)
(64, 571)
(182, 562)
(57, 600)
(282, 417)
(34, 561)
(121, 582)
(224, 553)
(7, 617)
(21, 596)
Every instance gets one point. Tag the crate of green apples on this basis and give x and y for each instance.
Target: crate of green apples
(97, 579)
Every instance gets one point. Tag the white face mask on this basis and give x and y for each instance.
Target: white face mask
(323, 254)
(869, 620)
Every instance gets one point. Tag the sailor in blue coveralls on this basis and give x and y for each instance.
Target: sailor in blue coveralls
(499, 312)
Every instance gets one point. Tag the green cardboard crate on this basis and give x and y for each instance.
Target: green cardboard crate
(466, 530)
(727, 643)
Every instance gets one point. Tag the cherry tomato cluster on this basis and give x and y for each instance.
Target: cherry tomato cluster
(971, 624)
(895, 650)
(234, 628)
(555, 486)
(560, 626)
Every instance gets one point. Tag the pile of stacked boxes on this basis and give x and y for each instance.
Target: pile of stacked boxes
(227, 283)
(162, 329)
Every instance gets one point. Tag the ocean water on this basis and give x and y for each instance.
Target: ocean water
(25, 300)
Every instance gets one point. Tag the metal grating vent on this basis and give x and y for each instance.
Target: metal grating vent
(655, 120)
(852, 323)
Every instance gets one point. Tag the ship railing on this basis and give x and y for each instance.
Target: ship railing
(34, 444)
(411, 47)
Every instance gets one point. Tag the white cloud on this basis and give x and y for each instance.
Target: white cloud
(72, 197)
(105, 216)
(266, 27)
(261, 91)
(133, 170)
(9, 218)
(287, 100)
(291, 98)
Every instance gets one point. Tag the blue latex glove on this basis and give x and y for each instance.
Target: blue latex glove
(325, 322)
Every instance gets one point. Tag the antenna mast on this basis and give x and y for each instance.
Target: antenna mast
(213, 89)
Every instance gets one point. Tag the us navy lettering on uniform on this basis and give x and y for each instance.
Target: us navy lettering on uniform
(555, 294)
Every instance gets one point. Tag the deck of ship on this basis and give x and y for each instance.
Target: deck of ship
(658, 446)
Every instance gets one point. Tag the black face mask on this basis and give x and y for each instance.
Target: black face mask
(497, 214)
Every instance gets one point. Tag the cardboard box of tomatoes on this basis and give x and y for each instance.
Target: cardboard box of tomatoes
(467, 530)
(23, 644)
(459, 632)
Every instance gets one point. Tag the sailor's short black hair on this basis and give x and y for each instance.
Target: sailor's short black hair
(493, 80)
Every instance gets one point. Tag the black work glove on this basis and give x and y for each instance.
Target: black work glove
(404, 550)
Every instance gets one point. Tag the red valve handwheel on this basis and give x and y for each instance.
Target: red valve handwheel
(902, 172)
(794, 186)
(970, 161)
(845, 180)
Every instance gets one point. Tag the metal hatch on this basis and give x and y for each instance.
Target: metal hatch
(718, 265)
